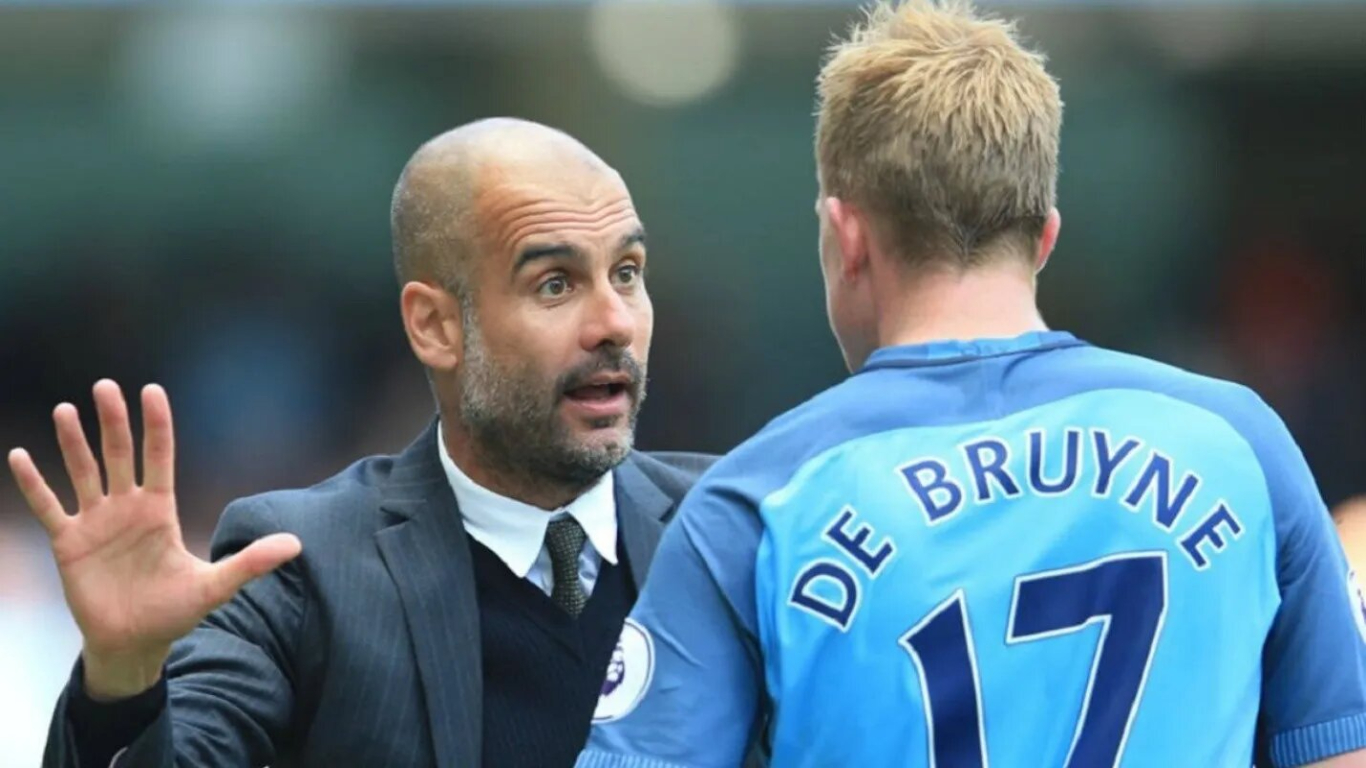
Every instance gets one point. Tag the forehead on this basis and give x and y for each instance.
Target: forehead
(584, 206)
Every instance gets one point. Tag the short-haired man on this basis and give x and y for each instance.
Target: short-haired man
(994, 543)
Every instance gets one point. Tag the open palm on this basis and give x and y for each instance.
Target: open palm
(130, 583)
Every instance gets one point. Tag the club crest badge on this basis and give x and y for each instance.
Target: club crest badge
(628, 674)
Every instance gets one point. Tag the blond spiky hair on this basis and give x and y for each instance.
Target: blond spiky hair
(945, 125)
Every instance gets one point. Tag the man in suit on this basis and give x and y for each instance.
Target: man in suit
(453, 605)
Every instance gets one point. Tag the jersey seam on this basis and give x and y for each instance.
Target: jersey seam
(930, 362)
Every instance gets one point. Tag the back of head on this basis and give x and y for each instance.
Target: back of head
(940, 123)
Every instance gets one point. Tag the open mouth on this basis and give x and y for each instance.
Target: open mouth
(597, 393)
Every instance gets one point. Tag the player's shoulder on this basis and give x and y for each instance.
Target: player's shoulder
(1280, 464)
(1113, 366)
(1098, 368)
(720, 515)
(769, 458)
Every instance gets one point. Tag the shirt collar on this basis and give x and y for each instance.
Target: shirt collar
(515, 531)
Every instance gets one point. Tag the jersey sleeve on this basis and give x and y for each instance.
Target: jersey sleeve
(684, 685)
(1314, 661)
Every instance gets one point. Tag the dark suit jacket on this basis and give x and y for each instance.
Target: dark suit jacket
(365, 650)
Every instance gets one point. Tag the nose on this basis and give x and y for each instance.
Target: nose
(610, 320)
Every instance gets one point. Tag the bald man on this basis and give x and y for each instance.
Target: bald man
(453, 605)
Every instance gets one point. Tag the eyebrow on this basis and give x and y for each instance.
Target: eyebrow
(552, 251)
(635, 237)
(568, 251)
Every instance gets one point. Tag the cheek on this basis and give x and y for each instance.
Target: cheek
(645, 327)
(535, 345)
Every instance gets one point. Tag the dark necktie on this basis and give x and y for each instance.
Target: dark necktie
(564, 538)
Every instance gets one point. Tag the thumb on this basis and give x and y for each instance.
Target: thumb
(257, 559)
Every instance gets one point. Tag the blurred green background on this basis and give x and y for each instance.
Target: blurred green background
(197, 194)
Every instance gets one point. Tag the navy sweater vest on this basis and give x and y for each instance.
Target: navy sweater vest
(543, 669)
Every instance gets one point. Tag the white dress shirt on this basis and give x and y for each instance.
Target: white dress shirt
(515, 531)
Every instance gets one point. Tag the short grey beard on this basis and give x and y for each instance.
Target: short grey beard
(516, 429)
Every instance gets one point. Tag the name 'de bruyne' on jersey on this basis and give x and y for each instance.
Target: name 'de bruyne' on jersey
(943, 487)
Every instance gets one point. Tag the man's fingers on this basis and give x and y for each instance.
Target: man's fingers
(115, 436)
(41, 500)
(158, 441)
(76, 454)
(259, 558)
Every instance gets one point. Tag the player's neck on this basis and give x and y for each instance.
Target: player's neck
(990, 302)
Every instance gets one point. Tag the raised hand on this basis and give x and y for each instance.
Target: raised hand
(130, 583)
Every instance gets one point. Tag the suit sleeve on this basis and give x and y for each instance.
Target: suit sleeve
(228, 685)
(684, 688)
(1314, 661)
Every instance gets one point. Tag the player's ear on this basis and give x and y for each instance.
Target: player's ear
(1051, 225)
(431, 318)
(851, 232)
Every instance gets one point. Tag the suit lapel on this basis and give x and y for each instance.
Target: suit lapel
(641, 507)
(428, 556)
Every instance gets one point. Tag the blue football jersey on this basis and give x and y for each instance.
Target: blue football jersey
(1020, 552)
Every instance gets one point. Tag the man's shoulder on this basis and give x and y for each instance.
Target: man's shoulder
(347, 501)
(674, 472)
(681, 462)
(1096, 368)
(864, 405)
(767, 460)
(1100, 367)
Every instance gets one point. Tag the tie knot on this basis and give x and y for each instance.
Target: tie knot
(564, 539)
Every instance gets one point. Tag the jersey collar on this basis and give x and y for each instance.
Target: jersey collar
(941, 352)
